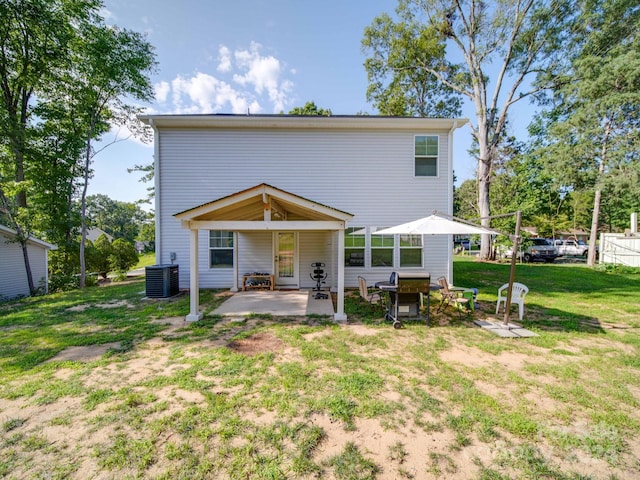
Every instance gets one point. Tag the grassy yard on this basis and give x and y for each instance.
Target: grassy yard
(104, 384)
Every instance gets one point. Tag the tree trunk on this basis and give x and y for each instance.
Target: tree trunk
(27, 266)
(595, 219)
(593, 236)
(484, 207)
(484, 185)
(83, 211)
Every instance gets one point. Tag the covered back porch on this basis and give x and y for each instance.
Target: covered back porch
(273, 232)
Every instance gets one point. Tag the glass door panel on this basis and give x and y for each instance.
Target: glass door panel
(286, 259)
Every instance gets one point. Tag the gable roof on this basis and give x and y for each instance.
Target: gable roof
(33, 240)
(94, 232)
(250, 205)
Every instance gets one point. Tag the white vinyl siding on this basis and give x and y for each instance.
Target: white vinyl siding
(367, 174)
(13, 276)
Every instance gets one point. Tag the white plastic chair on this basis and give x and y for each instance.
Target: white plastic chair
(518, 292)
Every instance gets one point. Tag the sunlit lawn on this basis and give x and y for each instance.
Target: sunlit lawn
(271, 398)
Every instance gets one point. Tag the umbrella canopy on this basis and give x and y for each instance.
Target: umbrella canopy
(434, 225)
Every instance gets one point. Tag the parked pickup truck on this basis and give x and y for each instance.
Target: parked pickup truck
(540, 249)
(572, 248)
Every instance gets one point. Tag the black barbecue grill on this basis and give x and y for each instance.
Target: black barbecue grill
(406, 291)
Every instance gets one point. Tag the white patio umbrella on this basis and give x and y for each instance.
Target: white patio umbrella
(433, 225)
(438, 224)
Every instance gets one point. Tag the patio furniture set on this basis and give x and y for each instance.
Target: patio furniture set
(404, 295)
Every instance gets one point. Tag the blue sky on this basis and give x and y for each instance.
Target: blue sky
(234, 56)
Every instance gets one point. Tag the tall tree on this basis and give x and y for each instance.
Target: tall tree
(594, 136)
(111, 70)
(488, 53)
(35, 40)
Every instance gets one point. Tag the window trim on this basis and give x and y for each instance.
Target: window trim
(436, 157)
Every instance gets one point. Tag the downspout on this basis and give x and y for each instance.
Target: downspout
(156, 189)
(450, 198)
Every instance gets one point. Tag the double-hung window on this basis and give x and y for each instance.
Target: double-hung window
(426, 155)
(354, 245)
(411, 250)
(382, 249)
(221, 249)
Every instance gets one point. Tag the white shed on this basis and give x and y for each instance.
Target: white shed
(13, 276)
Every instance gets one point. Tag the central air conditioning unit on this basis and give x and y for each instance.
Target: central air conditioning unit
(162, 281)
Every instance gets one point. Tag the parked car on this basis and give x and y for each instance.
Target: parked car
(509, 252)
(572, 247)
(540, 249)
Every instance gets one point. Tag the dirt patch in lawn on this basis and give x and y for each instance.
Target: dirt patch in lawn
(258, 343)
(84, 306)
(85, 353)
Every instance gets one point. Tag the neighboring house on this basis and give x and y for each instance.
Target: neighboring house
(573, 234)
(275, 193)
(94, 233)
(13, 276)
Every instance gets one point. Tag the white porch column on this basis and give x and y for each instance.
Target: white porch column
(234, 287)
(340, 316)
(194, 288)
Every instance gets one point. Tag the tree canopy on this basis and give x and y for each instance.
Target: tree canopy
(489, 54)
(310, 108)
(65, 78)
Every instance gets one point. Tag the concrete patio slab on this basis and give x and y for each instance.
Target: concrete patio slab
(285, 303)
(511, 330)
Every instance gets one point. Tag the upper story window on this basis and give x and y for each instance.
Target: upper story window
(426, 155)
(221, 249)
(354, 245)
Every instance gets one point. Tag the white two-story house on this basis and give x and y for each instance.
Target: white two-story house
(277, 193)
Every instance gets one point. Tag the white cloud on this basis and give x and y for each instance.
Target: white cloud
(261, 81)
(162, 90)
(263, 73)
(225, 59)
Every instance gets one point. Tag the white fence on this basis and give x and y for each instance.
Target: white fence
(619, 249)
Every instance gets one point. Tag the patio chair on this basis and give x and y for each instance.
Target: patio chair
(453, 296)
(370, 296)
(518, 292)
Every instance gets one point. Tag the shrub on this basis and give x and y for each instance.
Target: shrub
(97, 255)
(123, 255)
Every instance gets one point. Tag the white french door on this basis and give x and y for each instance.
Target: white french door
(286, 259)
